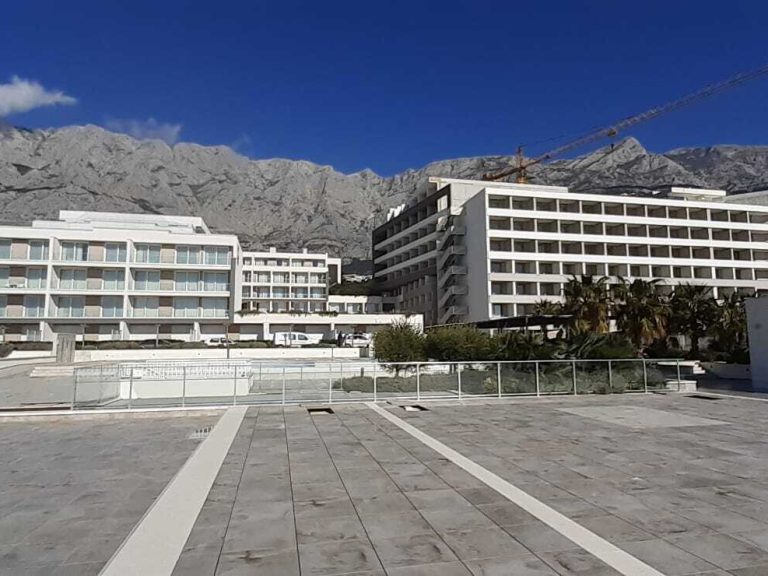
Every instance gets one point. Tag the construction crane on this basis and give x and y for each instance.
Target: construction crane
(522, 165)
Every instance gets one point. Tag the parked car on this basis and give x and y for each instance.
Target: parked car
(357, 340)
(219, 341)
(295, 339)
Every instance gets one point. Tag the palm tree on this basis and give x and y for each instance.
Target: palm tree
(641, 312)
(545, 307)
(693, 313)
(588, 300)
(730, 326)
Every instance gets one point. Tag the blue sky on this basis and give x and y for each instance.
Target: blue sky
(388, 85)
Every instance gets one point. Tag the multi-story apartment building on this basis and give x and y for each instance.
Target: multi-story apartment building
(469, 251)
(105, 276)
(122, 276)
(288, 282)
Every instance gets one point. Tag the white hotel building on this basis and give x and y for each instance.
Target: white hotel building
(469, 251)
(108, 276)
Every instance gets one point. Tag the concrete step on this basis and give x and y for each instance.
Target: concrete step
(684, 386)
(52, 371)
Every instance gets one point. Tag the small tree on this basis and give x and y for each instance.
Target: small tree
(588, 300)
(458, 344)
(642, 313)
(729, 329)
(693, 313)
(399, 342)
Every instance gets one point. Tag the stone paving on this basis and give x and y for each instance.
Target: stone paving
(71, 490)
(680, 483)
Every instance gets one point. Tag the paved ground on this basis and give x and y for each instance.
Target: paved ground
(72, 490)
(680, 483)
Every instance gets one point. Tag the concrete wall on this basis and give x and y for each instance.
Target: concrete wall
(478, 285)
(218, 354)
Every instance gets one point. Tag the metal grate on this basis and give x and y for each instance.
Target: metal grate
(414, 408)
(200, 433)
(322, 410)
(703, 397)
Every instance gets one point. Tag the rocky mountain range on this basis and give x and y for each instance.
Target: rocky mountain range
(298, 204)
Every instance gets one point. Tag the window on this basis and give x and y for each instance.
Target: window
(146, 306)
(38, 250)
(147, 280)
(300, 278)
(4, 277)
(149, 253)
(215, 307)
(111, 306)
(115, 252)
(74, 251)
(188, 255)
(215, 282)
(262, 277)
(185, 307)
(72, 279)
(280, 278)
(217, 255)
(5, 249)
(280, 292)
(187, 281)
(71, 307)
(34, 306)
(36, 277)
(300, 293)
(317, 278)
(113, 280)
(317, 293)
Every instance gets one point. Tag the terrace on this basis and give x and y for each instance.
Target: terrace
(632, 484)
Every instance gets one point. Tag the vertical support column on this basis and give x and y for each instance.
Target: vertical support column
(678, 374)
(183, 386)
(538, 386)
(330, 381)
(573, 376)
(74, 388)
(283, 387)
(234, 392)
(610, 377)
(375, 367)
(458, 377)
(418, 381)
(130, 389)
(498, 379)
(645, 377)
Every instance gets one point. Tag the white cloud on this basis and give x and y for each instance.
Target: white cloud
(21, 95)
(149, 129)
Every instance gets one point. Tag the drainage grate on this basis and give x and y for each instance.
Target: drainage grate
(200, 433)
(703, 397)
(320, 410)
(414, 408)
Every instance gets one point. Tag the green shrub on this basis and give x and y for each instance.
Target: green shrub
(399, 342)
(459, 344)
(31, 345)
(5, 349)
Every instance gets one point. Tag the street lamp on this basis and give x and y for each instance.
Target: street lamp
(227, 324)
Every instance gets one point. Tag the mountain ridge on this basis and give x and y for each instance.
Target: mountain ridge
(295, 204)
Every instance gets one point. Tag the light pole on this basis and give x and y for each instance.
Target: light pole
(227, 324)
(157, 335)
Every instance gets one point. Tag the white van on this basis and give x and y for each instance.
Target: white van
(295, 339)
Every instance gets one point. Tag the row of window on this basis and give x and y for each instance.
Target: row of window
(634, 250)
(631, 230)
(282, 292)
(624, 209)
(112, 307)
(292, 262)
(283, 278)
(118, 252)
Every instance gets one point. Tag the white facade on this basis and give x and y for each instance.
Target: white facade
(472, 251)
(107, 276)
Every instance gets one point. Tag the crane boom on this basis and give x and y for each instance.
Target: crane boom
(610, 131)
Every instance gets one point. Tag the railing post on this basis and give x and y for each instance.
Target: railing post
(538, 386)
(418, 381)
(458, 377)
(375, 365)
(678, 374)
(183, 386)
(234, 392)
(573, 376)
(498, 379)
(610, 377)
(74, 389)
(130, 389)
(645, 377)
(330, 381)
(283, 395)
